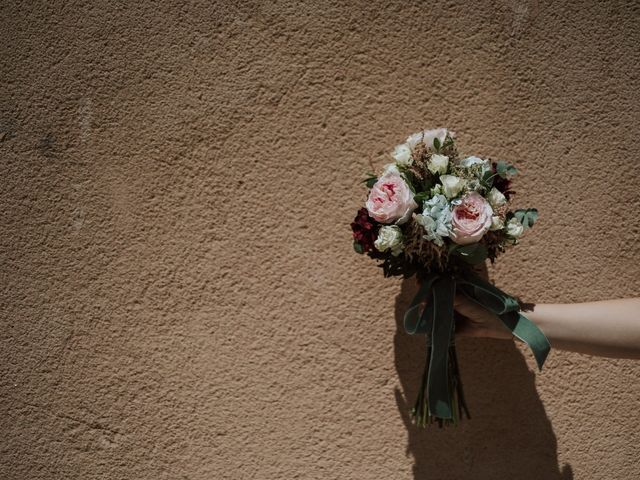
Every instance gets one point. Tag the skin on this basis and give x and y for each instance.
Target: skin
(609, 328)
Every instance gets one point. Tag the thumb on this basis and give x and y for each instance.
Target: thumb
(460, 302)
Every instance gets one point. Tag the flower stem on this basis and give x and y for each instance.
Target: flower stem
(421, 412)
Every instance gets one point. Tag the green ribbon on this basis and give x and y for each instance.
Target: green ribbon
(436, 320)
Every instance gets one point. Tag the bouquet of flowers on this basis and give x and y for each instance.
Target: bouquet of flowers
(435, 214)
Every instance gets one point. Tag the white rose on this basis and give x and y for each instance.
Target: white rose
(427, 137)
(496, 223)
(391, 168)
(496, 198)
(451, 185)
(402, 155)
(514, 228)
(389, 238)
(471, 161)
(438, 164)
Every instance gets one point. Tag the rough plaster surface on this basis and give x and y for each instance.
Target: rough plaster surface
(179, 294)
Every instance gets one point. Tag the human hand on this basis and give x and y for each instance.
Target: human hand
(476, 321)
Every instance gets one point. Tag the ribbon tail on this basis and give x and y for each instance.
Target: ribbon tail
(508, 310)
(414, 322)
(439, 395)
(529, 333)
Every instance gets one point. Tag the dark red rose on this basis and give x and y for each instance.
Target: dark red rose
(365, 230)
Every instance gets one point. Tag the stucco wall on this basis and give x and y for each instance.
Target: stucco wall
(180, 298)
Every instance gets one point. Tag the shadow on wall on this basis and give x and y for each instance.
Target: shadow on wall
(509, 434)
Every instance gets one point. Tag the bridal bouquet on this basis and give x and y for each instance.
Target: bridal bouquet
(435, 214)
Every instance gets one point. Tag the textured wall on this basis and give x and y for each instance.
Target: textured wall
(179, 294)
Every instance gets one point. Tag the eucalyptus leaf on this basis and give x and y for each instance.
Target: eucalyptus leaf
(501, 168)
(358, 247)
(436, 144)
(505, 170)
(527, 217)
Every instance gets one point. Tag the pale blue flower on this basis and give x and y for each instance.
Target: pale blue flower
(435, 219)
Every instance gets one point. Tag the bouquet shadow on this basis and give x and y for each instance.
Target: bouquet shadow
(509, 434)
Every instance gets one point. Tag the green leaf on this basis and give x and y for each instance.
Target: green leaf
(358, 247)
(472, 254)
(527, 217)
(370, 182)
(487, 180)
(436, 144)
(501, 168)
(505, 170)
(421, 197)
(448, 141)
(414, 183)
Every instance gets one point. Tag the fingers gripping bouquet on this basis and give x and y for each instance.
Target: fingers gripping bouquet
(435, 214)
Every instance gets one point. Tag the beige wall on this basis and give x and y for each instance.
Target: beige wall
(179, 294)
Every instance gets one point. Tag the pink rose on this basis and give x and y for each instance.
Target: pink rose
(471, 219)
(391, 199)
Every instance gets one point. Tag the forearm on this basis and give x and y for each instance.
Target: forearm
(609, 328)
